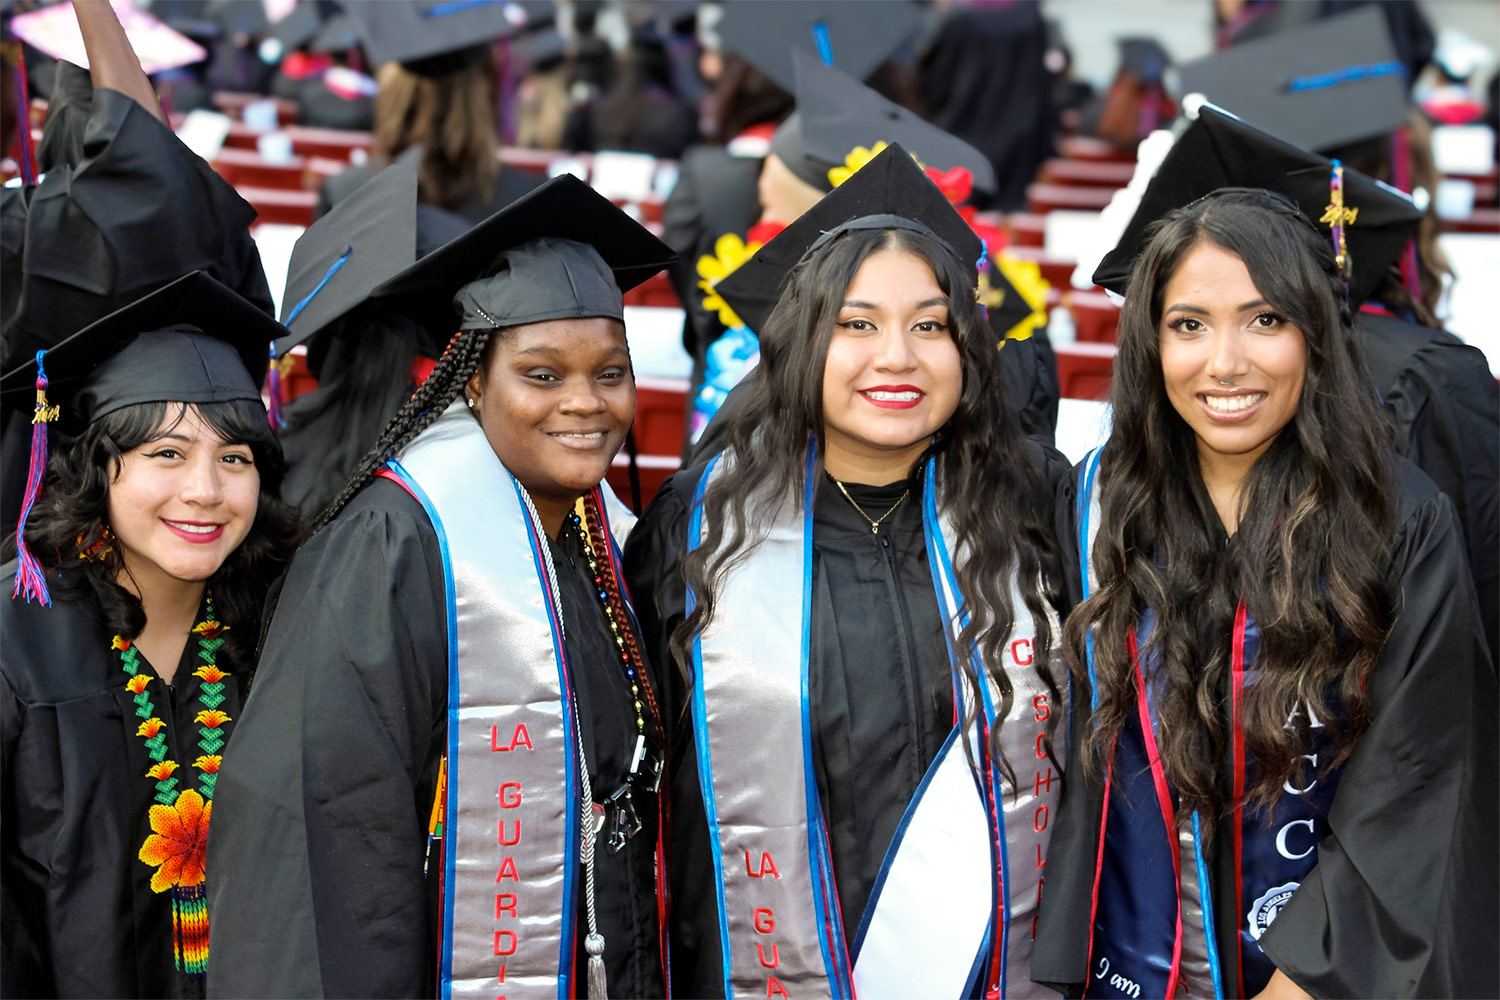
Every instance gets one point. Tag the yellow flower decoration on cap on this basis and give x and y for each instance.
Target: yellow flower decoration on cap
(730, 251)
(857, 158)
(1026, 277)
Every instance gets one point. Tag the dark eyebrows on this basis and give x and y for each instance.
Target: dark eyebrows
(552, 352)
(1243, 307)
(940, 300)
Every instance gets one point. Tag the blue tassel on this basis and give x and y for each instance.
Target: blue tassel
(273, 391)
(31, 581)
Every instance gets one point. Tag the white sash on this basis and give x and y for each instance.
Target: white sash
(511, 837)
(931, 920)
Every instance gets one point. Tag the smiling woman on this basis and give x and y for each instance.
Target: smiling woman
(460, 614)
(1280, 642)
(127, 651)
(876, 508)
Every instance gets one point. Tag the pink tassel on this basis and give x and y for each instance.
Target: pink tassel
(273, 391)
(1411, 273)
(31, 580)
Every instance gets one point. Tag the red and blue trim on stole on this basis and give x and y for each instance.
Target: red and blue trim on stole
(1136, 931)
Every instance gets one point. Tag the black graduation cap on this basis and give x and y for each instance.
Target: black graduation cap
(339, 33)
(365, 239)
(852, 35)
(1144, 58)
(836, 113)
(1323, 85)
(240, 17)
(541, 49)
(547, 270)
(1219, 150)
(888, 192)
(192, 341)
(434, 37)
(297, 28)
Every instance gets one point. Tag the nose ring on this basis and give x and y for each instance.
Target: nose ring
(1226, 381)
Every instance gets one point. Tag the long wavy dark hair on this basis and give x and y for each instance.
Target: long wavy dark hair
(74, 509)
(1314, 527)
(980, 456)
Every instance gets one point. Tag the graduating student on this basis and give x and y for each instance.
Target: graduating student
(84, 239)
(446, 780)
(856, 591)
(128, 645)
(437, 84)
(1282, 788)
(366, 356)
(1336, 86)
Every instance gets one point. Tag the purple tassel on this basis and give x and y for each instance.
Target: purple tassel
(31, 581)
(273, 391)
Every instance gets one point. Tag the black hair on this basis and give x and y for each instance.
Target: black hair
(980, 455)
(1313, 529)
(73, 511)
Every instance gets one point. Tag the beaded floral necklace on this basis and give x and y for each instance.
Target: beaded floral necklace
(179, 816)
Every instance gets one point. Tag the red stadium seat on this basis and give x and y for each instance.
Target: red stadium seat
(1058, 272)
(292, 208)
(656, 290)
(1043, 198)
(233, 105)
(1094, 317)
(654, 470)
(1481, 220)
(247, 167)
(1084, 370)
(660, 414)
(1079, 147)
(1027, 229)
(1087, 173)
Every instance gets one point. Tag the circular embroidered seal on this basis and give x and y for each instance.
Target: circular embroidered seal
(1264, 909)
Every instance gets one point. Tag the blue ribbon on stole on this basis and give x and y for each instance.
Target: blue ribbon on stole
(1135, 947)
(794, 944)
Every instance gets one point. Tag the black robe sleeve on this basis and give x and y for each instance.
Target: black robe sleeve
(1402, 901)
(318, 835)
(657, 588)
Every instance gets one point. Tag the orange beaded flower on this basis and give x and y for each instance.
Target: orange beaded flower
(162, 771)
(137, 684)
(210, 629)
(212, 718)
(149, 728)
(210, 674)
(176, 845)
(208, 763)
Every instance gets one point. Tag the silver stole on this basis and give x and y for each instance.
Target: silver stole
(510, 843)
(937, 918)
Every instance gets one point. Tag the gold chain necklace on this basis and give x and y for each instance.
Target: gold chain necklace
(875, 522)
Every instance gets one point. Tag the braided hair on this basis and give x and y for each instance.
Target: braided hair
(461, 358)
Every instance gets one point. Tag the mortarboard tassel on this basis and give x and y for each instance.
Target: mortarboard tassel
(23, 114)
(1337, 217)
(31, 581)
(1411, 276)
(273, 390)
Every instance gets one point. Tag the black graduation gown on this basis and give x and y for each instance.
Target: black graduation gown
(881, 690)
(77, 914)
(1444, 404)
(880, 687)
(321, 832)
(1402, 900)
